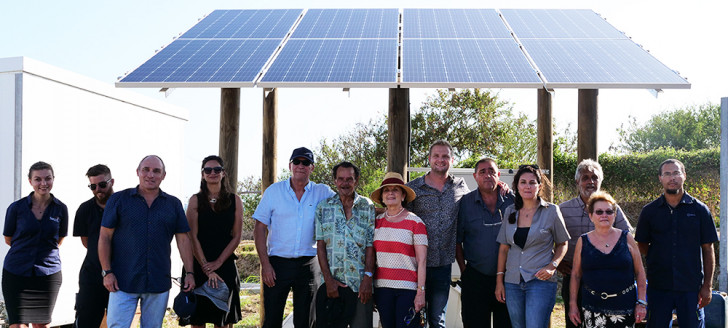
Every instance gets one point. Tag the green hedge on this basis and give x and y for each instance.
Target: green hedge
(632, 178)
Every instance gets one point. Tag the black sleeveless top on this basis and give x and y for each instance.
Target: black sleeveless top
(612, 274)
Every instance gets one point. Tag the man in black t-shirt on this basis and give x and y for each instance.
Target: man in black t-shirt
(92, 296)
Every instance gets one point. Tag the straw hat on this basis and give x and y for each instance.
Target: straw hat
(392, 179)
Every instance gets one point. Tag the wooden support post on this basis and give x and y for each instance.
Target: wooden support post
(398, 140)
(230, 133)
(270, 140)
(587, 126)
(723, 247)
(545, 139)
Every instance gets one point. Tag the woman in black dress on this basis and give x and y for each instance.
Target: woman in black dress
(215, 216)
(34, 228)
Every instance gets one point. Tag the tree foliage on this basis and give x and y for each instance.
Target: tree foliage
(687, 128)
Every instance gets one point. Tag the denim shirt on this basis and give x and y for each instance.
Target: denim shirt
(478, 229)
(547, 229)
(140, 248)
(290, 221)
(346, 240)
(34, 249)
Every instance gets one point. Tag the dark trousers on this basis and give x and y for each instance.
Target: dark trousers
(395, 307)
(291, 274)
(685, 304)
(479, 303)
(91, 302)
(565, 290)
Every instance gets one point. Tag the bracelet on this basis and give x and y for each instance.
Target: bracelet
(642, 302)
(497, 273)
(189, 272)
(422, 288)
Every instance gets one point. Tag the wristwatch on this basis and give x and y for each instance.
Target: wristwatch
(105, 272)
(642, 302)
(555, 264)
(368, 274)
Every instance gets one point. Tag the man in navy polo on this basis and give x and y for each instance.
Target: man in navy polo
(92, 296)
(286, 213)
(134, 248)
(479, 220)
(676, 232)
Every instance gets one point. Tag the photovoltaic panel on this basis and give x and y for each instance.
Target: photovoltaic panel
(339, 48)
(348, 24)
(602, 63)
(461, 48)
(335, 62)
(559, 23)
(226, 48)
(453, 23)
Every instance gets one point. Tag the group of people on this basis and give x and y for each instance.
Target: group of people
(128, 237)
(508, 242)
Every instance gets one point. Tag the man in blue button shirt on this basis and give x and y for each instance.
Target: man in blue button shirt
(479, 220)
(134, 248)
(676, 232)
(286, 215)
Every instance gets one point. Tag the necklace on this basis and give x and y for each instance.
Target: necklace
(213, 200)
(398, 213)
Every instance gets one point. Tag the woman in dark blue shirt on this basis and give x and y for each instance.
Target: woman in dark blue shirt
(34, 228)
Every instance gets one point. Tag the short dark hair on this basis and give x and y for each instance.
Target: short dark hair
(440, 142)
(346, 164)
(483, 160)
(164, 168)
(670, 161)
(40, 165)
(98, 169)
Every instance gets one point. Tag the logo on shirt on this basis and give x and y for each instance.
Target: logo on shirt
(55, 219)
(691, 214)
(545, 231)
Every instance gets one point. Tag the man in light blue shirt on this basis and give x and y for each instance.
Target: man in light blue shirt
(286, 214)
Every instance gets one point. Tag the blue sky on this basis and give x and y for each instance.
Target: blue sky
(104, 39)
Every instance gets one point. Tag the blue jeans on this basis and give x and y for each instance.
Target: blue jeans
(530, 303)
(122, 306)
(437, 290)
(662, 302)
(394, 306)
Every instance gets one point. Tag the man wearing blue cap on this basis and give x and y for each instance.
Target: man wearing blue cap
(286, 214)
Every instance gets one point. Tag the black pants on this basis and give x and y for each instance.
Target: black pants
(479, 302)
(565, 289)
(296, 274)
(91, 302)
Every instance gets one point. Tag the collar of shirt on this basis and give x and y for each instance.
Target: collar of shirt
(135, 193)
(420, 182)
(29, 200)
(307, 187)
(686, 199)
(499, 202)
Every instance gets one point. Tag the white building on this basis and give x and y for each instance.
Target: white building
(74, 122)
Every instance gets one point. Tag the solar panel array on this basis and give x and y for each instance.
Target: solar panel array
(524, 48)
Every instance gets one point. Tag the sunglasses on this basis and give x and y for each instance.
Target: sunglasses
(209, 170)
(101, 185)
(600, 212)
(297, 161)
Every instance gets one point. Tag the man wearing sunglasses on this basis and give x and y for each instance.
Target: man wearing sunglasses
(588, 177)
(676, 233)
(285, 215)
(92, 296)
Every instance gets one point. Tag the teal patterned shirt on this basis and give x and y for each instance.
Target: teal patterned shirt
(346, 240)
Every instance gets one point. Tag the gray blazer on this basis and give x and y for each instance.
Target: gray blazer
(547, 229)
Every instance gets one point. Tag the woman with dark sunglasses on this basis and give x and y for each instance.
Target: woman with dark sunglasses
(215, 215)
(606, 263)
(34, 229)
(532, 241)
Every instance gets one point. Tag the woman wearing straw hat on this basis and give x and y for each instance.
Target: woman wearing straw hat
(400, 242)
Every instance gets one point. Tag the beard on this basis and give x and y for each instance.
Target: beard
(671, 191)
(102, 198)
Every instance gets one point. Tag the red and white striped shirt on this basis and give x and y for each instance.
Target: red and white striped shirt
(394, 244)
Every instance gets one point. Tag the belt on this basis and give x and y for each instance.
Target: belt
(605, 295)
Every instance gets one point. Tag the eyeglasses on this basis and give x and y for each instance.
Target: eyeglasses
(600, 212)
(209, 170)
(412, 314)
(101, 185)
(297, 161)
(672, 174)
